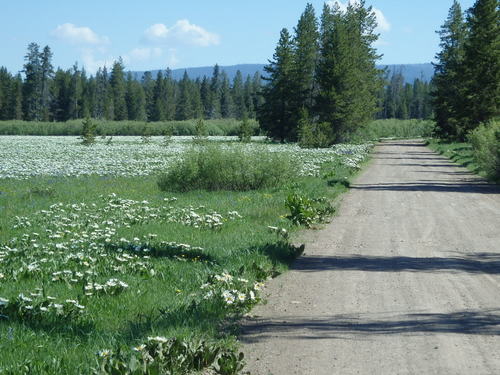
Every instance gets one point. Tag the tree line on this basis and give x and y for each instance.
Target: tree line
(467, 72)
(404, 101)
(45, 94)
(322, 83)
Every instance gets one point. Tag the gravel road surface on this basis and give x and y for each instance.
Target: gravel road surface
(405, 280)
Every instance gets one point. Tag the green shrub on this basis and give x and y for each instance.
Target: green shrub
(245, 132)
(393, 128)
(485, 142)
(214, 168)
(308, 211)
(88, 132)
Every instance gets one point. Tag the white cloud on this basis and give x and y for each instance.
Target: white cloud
(78, 35)
(172, 59)
(182, 32)
(383, 23)
(146, 53)
(93, 63)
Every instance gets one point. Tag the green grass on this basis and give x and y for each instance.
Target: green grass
(220, 127)
(459, 152)
(153, 305)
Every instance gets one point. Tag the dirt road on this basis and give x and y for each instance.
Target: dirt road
(405, 280)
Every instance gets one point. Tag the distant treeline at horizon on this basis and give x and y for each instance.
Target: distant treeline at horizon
(45, 94)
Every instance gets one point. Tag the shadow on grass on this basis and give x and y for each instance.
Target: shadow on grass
(71, 329)
(468, 322)
(164, 250)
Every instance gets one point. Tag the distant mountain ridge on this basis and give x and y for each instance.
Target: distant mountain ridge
(410, 71)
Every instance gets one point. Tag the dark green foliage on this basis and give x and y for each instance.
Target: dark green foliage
(201, 132)
(117, 82)
(308, 211)
(468, 71)
(71, 94)
(275, 115)
(246, 131)
(330, 73)
(481, 64)
(448, 79)
(88, 132)
(313, 134)
(215, 168)
(485, 141)
(348, 81)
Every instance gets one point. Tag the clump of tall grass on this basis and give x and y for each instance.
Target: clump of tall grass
(212, 167)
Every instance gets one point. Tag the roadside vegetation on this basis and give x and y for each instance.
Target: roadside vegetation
(106, 273)
(220, 127)
(481, 154)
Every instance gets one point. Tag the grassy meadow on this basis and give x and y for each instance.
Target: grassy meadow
(103, 272)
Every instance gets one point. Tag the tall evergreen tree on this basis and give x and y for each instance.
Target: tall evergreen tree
(226, 100)
(148, 87)
(215, 93)
(32, 88)
(482, 64)
(46, 75)
(135, 99)
(117, 82)
(184, 108)
(448, 77)
(274, 114)
(159, 99)
(306, 52)
(238, 96)
(348, 80)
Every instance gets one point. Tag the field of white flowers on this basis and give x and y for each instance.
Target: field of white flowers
(27, 156)
(104, 276)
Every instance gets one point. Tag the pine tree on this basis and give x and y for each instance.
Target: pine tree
(215, 93)
(117, 82)
(148, 85)
(184, 103)
(348, 80)
(226, 100)
(47, 73)
(238, 96)
(448, 78)
(159, 99)
(171, 94)
(16, 99)
(5, 92)
(205, 96)
(482, 64)
(274, 114)
(75, 94)
(306, 52)
(248, 95)
(135, 99)
(32, 88)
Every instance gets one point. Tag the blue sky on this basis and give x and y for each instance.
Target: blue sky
(153, 34)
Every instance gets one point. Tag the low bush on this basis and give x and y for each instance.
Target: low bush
(485, 142)
(214, 168)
